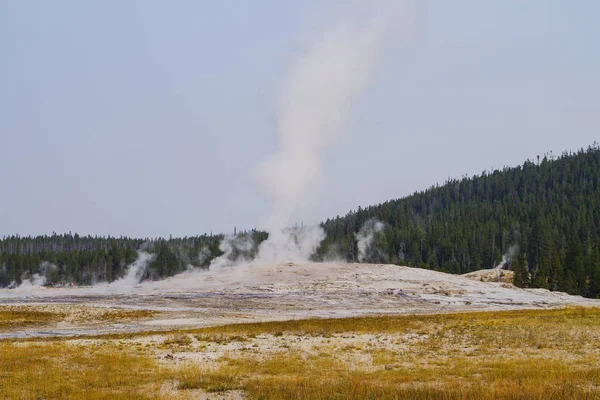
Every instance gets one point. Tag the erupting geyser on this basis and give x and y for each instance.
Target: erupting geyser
(315, 102)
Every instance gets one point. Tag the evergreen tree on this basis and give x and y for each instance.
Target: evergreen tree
(521, 277)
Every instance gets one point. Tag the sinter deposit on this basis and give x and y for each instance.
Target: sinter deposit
(264, 292)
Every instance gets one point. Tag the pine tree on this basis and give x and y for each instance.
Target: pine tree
(519, 267)
(556, 271)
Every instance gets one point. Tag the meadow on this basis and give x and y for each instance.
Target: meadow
(527, 354)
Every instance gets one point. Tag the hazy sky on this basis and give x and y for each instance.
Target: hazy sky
(148, 118)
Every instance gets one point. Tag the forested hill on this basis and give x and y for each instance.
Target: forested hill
(545, 214)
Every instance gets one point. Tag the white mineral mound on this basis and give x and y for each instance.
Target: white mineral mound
(348, 286)
(492, 275)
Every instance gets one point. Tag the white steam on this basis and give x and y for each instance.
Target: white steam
(134, 272)
(316, 102)
(47, 268)
(35, 280)
(203, 255)
(291, 244)
(236, 250)
(508, 256)
(365, 237)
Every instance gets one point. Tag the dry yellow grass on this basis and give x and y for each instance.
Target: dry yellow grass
(543, 354)
(13, 317)
(459, 378)
(405, 323)
(61, 371)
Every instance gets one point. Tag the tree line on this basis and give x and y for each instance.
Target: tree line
(544, 214)
(542, 217)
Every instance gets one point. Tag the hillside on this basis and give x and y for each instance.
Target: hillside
(544, 215)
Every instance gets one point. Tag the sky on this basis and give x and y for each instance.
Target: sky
(149, 118)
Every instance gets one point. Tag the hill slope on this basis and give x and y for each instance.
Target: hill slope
(546, 215)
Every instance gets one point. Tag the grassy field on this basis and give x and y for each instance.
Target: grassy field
(14, 317)
(544, 354)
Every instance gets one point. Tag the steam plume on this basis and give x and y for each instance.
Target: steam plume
(316, 100)
(508, 256)
(236, 250)
(365, 238)
(296, 244)
(134, 272)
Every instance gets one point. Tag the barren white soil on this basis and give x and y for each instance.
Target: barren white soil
(261, 292)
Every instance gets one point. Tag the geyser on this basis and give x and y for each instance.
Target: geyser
(316, 99)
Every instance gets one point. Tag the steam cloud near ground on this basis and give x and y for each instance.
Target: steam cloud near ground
(35, 280)
(134, 272)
